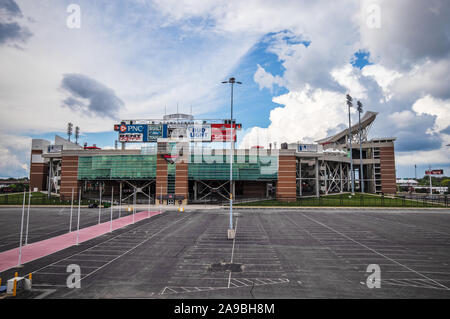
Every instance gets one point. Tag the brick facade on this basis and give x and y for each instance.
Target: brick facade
(69, 177)
(286, 184)
(38, 173)
(387, 167)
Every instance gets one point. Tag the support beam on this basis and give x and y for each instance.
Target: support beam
(317, 177)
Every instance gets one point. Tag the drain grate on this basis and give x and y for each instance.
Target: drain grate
(225, 267)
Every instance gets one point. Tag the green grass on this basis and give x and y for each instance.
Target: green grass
(37, 199)
(345, 200)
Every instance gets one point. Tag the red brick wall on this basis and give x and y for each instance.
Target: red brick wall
(161, 175)
(69, 177)
(181, 179)
(38, 173)
(387, 166)
(286, 185)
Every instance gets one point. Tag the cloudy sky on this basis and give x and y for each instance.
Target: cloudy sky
(296, 59)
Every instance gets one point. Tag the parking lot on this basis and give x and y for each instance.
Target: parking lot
(301, 253)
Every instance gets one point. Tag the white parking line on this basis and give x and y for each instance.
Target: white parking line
(373, 250)
(148, 238)
(232, 251)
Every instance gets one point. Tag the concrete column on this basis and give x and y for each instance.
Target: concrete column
(317, 178)
(300, 176)
(234, 190)
(50, 173)
(195, 190)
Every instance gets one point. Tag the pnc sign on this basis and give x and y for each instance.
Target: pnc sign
(434, 172)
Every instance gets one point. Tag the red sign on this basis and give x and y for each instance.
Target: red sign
(129, 137)
(222, 133)
(435, 172)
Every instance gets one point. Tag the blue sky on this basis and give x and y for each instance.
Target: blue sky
(296, 59)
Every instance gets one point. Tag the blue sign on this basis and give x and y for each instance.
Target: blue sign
(150, 132)
(155, 131)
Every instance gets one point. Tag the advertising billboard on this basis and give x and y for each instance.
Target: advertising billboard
(222, 133)
(131, 137)
(199, 133)
(195, 133)
(307, 147)
(434, 172)
(154, 131)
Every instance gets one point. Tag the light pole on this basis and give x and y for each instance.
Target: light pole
(361, 174)
(350, 104)
(231, 231)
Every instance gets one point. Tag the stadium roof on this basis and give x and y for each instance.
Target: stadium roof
(366, 120)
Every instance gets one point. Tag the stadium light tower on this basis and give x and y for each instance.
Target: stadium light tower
(361, 174)
(69, 130)
(231, 231)
(350, 104)
(77, 134)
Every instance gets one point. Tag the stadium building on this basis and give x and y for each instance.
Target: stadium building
(178, 165)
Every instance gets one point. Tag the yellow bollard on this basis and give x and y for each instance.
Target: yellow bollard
(29, 276)
(15, 288)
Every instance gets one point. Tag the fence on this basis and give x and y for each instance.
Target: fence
(344, 200)
(17, 199)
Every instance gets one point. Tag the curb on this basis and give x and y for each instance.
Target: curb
(341, 207)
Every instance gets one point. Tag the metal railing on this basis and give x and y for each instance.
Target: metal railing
(345, 200)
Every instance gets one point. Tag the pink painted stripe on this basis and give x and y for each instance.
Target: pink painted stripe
(10, 258)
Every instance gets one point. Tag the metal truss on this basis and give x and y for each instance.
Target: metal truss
(138, 189)
(335, 176)
(364, 133)
(53, 176)
(304, 174)
(213, 189)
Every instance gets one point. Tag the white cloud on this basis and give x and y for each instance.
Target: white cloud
(348, 77)
(15, 155)
(431, 77)
(440, 156)
(306, 116)
(410, 32)
(383, 77)
(402, 119)
(265, 79)
(435, 107)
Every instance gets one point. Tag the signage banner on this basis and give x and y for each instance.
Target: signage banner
(131, 138)
(434, 172)
(222, 133)
(199, 133)
(138, 129)
(154, 131)
(195, 133)
(307, 147)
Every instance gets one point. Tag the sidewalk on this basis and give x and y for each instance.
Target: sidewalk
(9, 258)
